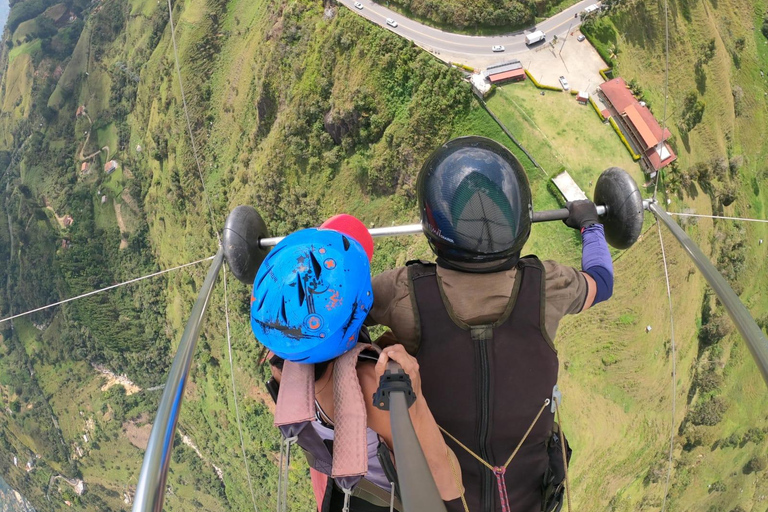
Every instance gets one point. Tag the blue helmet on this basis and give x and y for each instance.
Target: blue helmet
(311, 296)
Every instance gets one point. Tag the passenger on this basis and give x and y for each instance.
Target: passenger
(311, 296)
(481, 322)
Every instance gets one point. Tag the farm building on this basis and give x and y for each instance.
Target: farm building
(638, 123)
(110, 166)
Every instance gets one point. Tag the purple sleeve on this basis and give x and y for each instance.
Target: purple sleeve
(596, 261)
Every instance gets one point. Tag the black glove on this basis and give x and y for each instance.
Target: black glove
(581, 214)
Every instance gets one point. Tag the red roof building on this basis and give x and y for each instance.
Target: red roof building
(515, 75)
(511, 71)
(638, 123)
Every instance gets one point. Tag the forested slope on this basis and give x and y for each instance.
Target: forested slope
(299, 108)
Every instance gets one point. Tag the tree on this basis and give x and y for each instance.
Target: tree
(756, 464)
(709, 412)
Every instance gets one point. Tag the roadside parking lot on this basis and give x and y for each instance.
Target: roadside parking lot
(577, 61)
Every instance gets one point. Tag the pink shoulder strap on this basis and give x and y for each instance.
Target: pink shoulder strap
(350, 444)
(296, 399)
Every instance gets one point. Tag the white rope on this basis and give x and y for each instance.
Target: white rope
(189, 123)
(234, 391)
(105, 289)
(666, 86)
(558, 156)
(674, 370)
(716, 217)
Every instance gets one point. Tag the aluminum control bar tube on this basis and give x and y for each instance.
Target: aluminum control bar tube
(749, 330)
(413, 229)
(150, 490)
(418, 491)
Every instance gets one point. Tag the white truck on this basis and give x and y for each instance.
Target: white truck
(535, 37)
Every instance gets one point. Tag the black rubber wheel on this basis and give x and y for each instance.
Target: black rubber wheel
(623, 221)
(242, 231)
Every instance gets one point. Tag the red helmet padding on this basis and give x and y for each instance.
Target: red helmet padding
(352, 227)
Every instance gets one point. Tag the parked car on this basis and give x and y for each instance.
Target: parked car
(392, 23)
(358, 5)
(498, 48)
(580, 37)
(564, 83)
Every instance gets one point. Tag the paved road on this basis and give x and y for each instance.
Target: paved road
(469, 48)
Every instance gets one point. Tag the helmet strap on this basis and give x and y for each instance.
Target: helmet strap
(474, 268)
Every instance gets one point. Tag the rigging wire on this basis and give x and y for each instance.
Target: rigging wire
(666, 87)
(234, 391)
(674, 370)
(137, 279)
(189, 123)
(747, 219)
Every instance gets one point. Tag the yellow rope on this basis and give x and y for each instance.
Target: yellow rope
(546, 403)
(456, 479)
(483, 462)
(479, 459)
(565, 457)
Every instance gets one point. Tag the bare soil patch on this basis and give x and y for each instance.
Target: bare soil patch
(121, 223)
(137, 431)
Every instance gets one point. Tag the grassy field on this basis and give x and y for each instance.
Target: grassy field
(562, 133)
(23, 30)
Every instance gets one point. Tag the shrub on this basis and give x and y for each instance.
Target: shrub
(693, 111)
(616, 128)
(718, 486)
(541, 86)
(697, 436)
(709, 412)
(756, 464)
(597, 109)
(732, 441)
(715, 329)
(656, 472)
(605, 72)
(754, 435)
(708, 380)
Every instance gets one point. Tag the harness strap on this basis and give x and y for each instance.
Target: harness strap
(350, 443)
(296, 399)
(565, 456)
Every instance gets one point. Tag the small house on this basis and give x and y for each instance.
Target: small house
(67, 221)
(85, 167)
(582, 97)
(103, 199)
(80, 111)
(110, 166)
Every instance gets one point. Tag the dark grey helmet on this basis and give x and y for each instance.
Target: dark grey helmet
(475, 201)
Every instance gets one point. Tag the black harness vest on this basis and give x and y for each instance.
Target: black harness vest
(485, 384)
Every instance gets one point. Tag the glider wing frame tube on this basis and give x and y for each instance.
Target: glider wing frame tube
(417, 487)
(150, 490)
(748, 328)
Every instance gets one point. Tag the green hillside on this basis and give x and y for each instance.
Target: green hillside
(305, 110)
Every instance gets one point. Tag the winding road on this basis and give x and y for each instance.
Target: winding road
(470, 50)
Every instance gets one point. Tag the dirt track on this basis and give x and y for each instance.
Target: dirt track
(121, 223)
